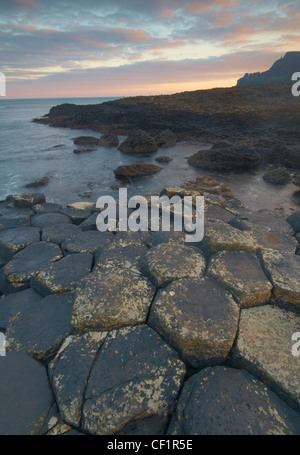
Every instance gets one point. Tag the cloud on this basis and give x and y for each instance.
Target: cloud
(44, 41)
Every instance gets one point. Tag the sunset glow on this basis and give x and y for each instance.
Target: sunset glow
(129, 47)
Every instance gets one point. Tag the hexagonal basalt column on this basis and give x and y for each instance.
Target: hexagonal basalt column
(109, 299)
(198, 318)
(241, 273)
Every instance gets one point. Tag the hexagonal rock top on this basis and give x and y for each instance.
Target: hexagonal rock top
(283, 270)
(25, 395)
(127, 380)
(198, 318)
(220, 236)
(168, 262)
(264, 348)
(110, 299)
(40, 328)
(49, 219)
(87, 242)
(222, 400)
(64, 275)
(14, 240)
(124, 253)
(241, 273)
(28, 262)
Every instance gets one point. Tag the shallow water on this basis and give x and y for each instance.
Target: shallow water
(30, 151)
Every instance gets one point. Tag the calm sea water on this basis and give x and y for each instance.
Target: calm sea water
(30, 151)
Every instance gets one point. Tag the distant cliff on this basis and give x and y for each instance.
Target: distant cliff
(280, 71)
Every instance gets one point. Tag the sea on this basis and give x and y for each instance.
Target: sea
(30, 151)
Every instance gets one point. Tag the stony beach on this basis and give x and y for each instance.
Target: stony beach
(132, 333)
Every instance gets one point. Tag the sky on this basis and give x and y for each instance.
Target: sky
(91, 48)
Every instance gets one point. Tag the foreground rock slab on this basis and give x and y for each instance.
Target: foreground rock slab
(109, 299)
(25, 395)
(69, 372)
(241, 273)
(266, 351)
(226, 401)
(136, 391)
(198, 318)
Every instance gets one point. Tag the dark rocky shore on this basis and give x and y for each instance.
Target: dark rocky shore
(142, 333)
(114, 333)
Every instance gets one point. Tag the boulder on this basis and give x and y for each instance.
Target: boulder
(26, 199)
(108, 299)
(138, 142)
(280, 176)
(25, 395)
(166, 138)
(294, 221)
(198, 318)
(81, 150)
(109, 140)
(163, 159)
(136, 170)
(226, 401)
(168, 262)
(39, 182)
(86, 140)
(293, 157)
(264, 348)
(240, 272)
(41, 327)
(64, 275)
(229, 157)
